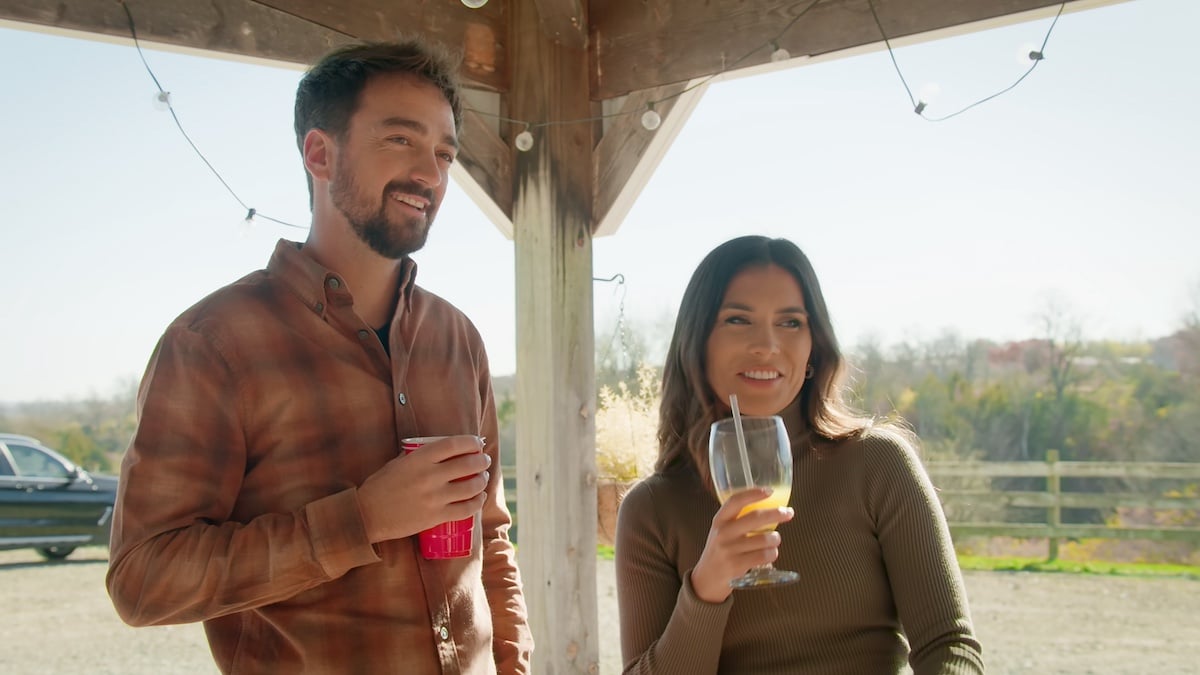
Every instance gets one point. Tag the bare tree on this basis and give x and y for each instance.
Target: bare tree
(1062, 333)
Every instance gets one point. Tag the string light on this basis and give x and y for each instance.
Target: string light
(247, 224)
(927, 95)
(651, 119)
(162, 101)
(1025, 54)
(524, 141)
(1034, 55)
(164, 97)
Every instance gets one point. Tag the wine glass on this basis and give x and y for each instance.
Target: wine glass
(761, 458)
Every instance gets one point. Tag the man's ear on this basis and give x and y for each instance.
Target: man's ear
(319, 149)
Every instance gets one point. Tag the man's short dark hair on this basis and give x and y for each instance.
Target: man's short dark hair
(328, 94)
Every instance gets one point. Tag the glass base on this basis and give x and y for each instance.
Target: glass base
(761, 577)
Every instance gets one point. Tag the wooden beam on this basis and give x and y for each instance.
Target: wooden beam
(293, 31)
(638, 46)
(479, 33)
(488, 160)
(226, 26)
(555, 381)
(627, 156)
(563, 22)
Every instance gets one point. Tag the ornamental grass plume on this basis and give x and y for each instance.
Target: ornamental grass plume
(626, 428)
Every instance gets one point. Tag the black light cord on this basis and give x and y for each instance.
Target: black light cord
(919, 106)
(165, 97)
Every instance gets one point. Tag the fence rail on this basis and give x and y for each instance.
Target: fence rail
(978, 503)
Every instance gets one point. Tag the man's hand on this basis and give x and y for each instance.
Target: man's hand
(444, 480)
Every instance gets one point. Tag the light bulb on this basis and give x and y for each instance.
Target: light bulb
(474, 4)
(162, 100)
(651, 120)
(524, 141)
(246, 225)
(929, 92)
(1027, 53)
(780, 54)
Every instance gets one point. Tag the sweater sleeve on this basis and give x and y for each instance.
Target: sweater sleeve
(665, 628)
(922, 568)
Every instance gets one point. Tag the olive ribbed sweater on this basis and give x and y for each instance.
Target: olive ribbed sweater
(870, 542)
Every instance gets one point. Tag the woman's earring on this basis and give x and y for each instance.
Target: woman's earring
(808, 372)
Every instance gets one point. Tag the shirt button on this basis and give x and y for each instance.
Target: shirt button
(320, 307)
(402, 399)
(333, 283)
(362, 335)
(444, 633)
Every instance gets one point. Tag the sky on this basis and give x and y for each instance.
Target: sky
(1076, 187)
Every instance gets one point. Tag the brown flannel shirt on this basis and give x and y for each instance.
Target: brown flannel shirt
(262, 409)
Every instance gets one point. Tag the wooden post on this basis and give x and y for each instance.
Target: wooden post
(1054, 512)
(555, 379)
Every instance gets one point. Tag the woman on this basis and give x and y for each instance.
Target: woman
(865, 530)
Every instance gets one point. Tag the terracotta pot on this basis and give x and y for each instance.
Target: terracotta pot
(608, 499)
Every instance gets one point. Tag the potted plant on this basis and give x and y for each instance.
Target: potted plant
(626, 444)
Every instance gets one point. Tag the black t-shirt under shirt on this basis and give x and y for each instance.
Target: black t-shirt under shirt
(383, 338)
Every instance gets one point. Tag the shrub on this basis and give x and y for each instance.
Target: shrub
(626, 428)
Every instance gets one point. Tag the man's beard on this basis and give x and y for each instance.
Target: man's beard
(389, 238)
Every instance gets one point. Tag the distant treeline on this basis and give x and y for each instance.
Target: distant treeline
(1089, 400)
(1011, 401)
(93, 432)
(1123, 401)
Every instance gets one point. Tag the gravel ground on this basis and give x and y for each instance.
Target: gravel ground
(59, 620)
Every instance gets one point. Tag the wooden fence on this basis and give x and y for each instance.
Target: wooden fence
(1028, 499)
(1158, 501)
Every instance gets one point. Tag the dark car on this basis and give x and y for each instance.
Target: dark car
(48, 503)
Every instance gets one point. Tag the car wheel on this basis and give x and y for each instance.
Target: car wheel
(55, 552)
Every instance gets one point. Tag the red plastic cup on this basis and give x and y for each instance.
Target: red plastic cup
(451, 539)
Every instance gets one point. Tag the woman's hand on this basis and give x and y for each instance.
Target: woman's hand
(731, 550)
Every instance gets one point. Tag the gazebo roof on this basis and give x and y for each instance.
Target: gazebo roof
(631, 54)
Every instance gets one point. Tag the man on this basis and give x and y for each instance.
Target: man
(263, 492)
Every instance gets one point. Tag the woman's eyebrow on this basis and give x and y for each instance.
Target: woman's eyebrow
(743, 307)
(737, 305)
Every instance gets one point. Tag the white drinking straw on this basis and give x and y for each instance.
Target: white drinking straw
(741, 439)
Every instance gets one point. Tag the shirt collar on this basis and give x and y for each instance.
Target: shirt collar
(308, 278)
